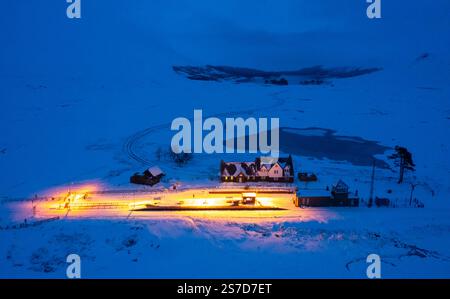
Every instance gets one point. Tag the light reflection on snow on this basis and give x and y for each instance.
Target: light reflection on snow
(89, 201)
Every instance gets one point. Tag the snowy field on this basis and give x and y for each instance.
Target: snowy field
(312, 243)
(91, 101)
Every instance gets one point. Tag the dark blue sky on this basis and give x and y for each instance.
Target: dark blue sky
(141, 37)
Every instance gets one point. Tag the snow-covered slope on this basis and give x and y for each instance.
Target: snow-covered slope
(86, 100)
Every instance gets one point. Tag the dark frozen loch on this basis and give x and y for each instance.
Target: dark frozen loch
(324, 143)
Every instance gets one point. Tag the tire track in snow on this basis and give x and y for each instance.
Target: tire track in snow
(129, 147)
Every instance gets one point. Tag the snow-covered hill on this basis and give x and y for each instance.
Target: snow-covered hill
(92, 100)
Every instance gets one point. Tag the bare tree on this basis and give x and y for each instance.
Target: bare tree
(180, 158)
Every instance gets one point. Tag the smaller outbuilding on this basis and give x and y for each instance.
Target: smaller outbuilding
(151, 176)
(338, 197)
(307, 177)
(154, 172)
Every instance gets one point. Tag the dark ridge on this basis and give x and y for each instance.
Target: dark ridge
(316, 75)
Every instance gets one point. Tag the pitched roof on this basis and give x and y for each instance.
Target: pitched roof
(340, 186)
(233, 169)
(155, 170)
(341, 183)
(250, 168)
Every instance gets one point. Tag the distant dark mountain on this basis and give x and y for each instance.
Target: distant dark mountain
(316, 75)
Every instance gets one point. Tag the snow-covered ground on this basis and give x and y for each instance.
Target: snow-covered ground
(91, 100)
(330, 243)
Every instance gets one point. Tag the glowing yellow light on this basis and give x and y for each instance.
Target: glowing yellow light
(83, 201)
